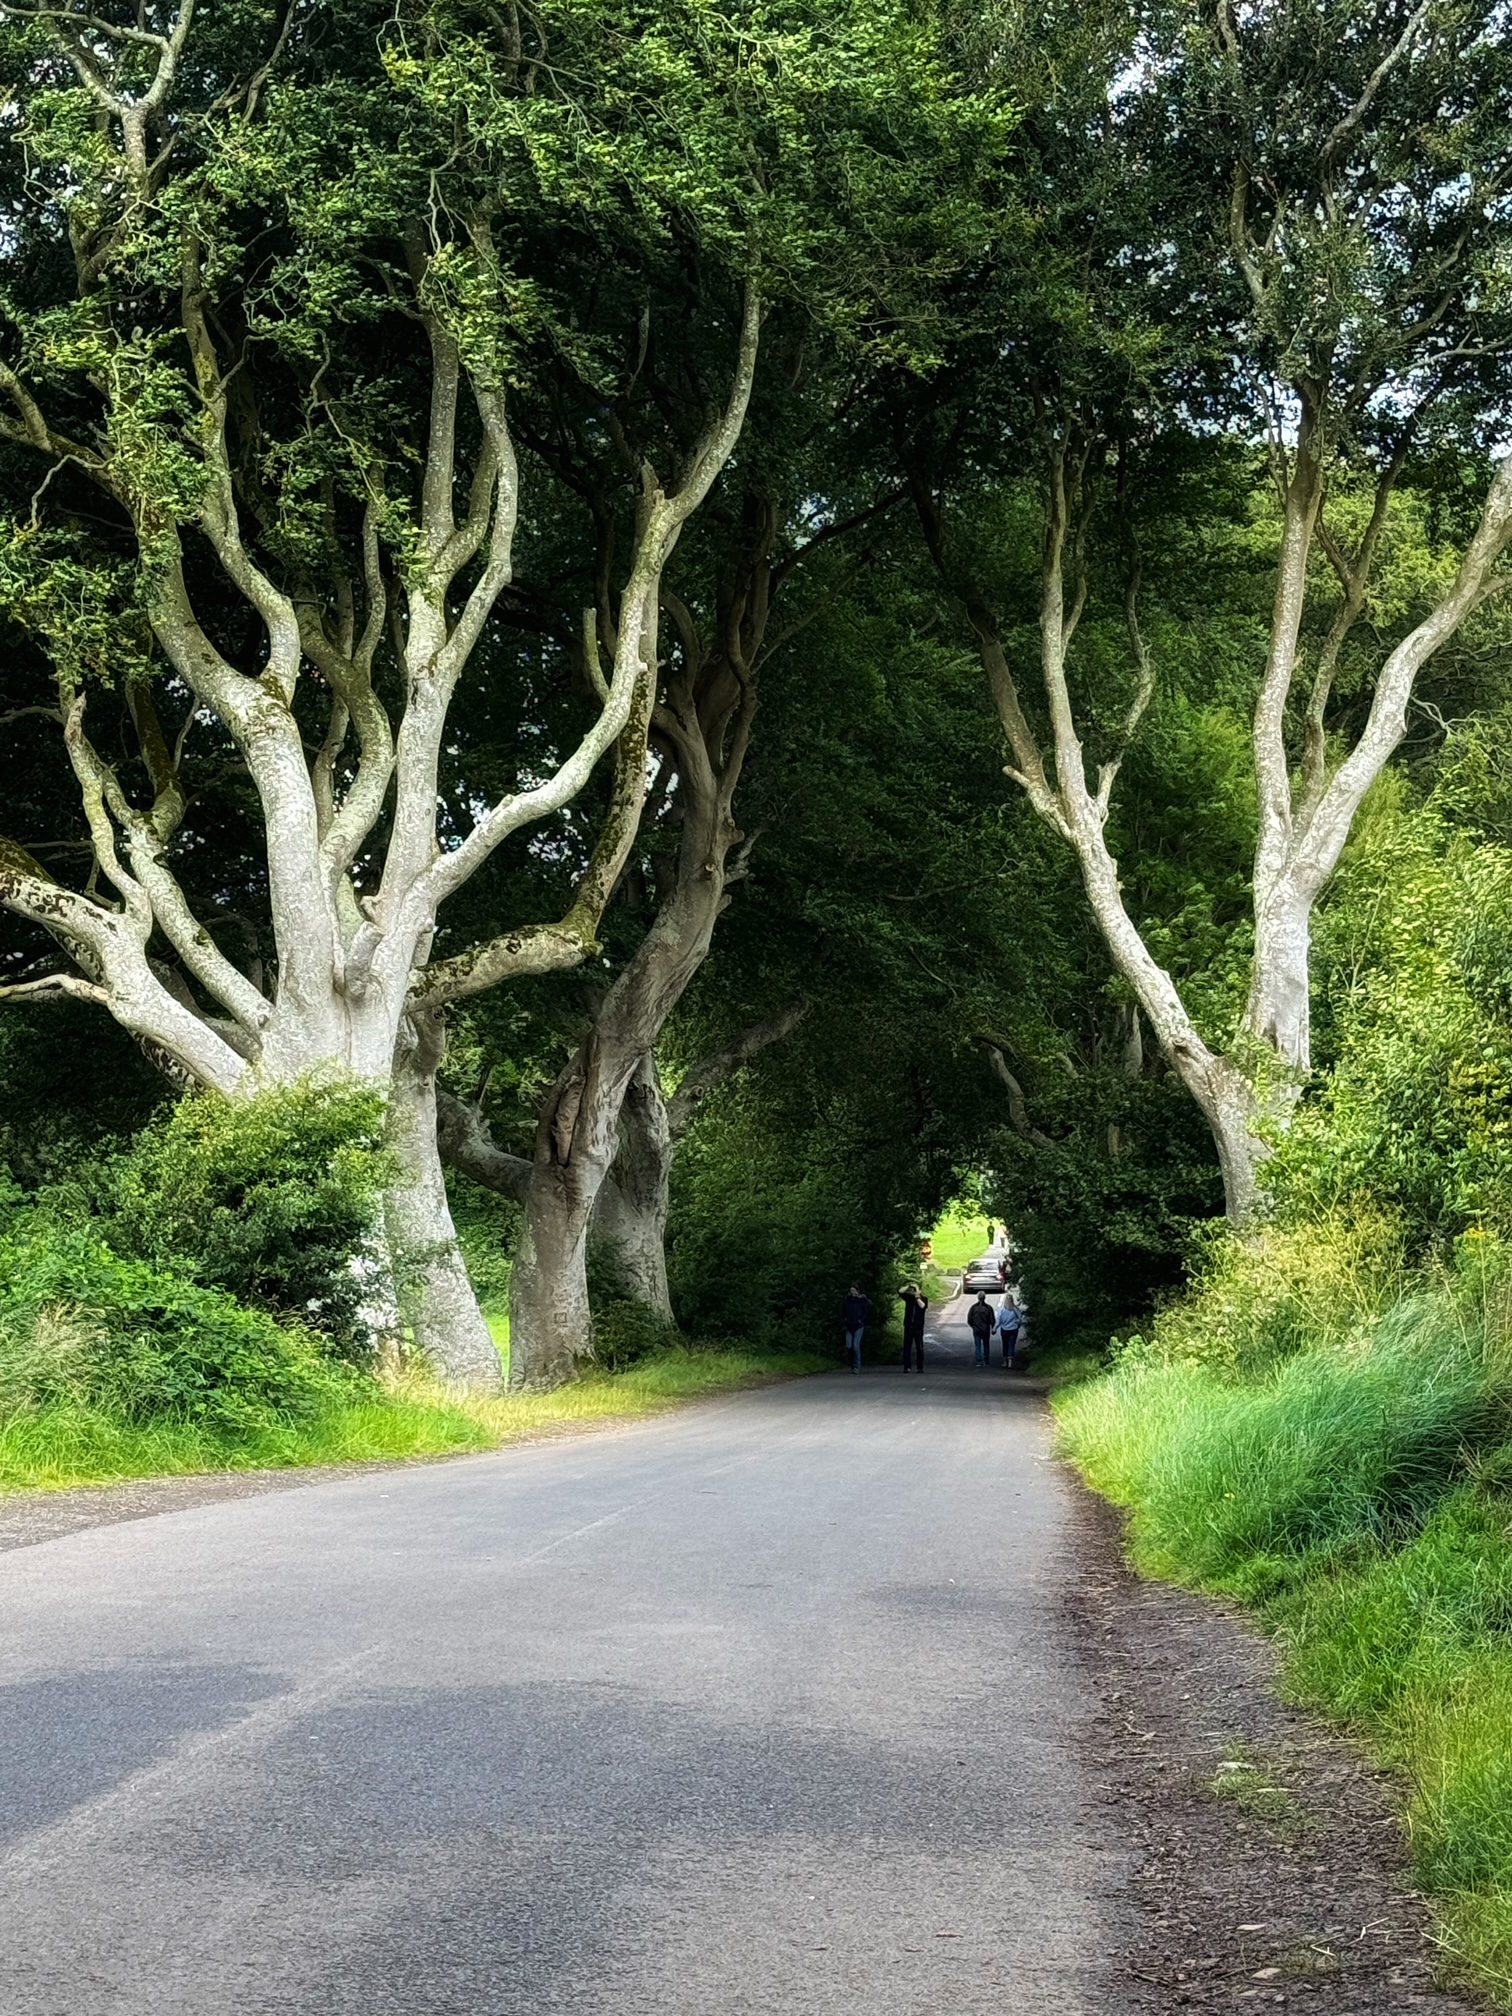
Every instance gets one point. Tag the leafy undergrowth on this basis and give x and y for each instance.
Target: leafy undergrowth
(72, 1443)
(1357, 1493)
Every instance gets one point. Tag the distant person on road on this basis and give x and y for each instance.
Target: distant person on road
(981, 1316)
(854, 1319)
(1009, 1322)
(914, 1306)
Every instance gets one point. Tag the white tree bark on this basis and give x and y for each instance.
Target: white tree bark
(629, 1221)
(431, 1283)
(704, 723)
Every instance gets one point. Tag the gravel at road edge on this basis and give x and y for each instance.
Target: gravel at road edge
(1292, 1890)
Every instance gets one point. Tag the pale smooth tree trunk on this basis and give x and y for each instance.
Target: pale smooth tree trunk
(578, 1131)
(550, 1322)
(431, 1284)
(630, 1219)
(1247, 1093)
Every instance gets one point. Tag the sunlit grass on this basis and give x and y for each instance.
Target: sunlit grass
(408, 1417)
(958, 1237)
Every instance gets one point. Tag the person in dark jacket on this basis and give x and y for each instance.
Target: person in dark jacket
(982, 1316)
(853, 1318)
(914, 1306)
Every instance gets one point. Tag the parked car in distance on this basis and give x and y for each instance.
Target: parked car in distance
(988, 1273)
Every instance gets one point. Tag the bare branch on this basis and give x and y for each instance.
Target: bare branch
(1018, 1109)
(1143, 693)
(1378, 76)
(56, 987)
(463, 1137)
(1319, 848)
(635, 655)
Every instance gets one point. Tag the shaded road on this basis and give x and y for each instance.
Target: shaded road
(763, 1707)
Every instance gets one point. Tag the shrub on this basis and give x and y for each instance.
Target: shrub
(271, 1200)
(626, 1333)
(1258, 1299)
(79, 1324)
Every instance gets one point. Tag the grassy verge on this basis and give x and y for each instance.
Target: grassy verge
(1357, 1493)
(52, 1447)
(958, 1237)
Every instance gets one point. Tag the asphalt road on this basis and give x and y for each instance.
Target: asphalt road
(762, 1707)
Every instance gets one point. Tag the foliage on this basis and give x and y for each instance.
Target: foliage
(765, 1244)
(81, 1326)
(486, 1226)
(1414, 1119)
(72, 1084)
(627, 1333)
(272, 1200)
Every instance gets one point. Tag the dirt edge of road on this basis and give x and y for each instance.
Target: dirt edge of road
(1273, 1868)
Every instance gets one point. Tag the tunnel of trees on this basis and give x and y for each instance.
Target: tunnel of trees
(639, 643)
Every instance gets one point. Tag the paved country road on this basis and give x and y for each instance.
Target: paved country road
(762, 1707)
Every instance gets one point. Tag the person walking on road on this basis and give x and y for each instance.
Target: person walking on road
(981, 1316)
(1009, 1320)
(854, 1317)
(914, 1306)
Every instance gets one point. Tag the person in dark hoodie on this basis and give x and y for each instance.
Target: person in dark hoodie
(914, 1306)
(982, 1316)
(853, 1317)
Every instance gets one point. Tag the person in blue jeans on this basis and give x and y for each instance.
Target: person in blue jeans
(1009, 1320)
(981, 1316)
(853, 1319)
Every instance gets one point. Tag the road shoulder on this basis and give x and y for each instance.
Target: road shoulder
(1273, 1866)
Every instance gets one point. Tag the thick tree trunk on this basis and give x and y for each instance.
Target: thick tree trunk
(577, 1136)
(431, 1282)
(550, 1326)
(1279, 1010)
(630, 1218)
(1234, 1114)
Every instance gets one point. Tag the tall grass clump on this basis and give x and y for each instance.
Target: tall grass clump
(1236, 1485)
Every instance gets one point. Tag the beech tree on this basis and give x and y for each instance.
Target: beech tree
(606, 1106)
(264, 384)
(1285, 223)
(870, 224)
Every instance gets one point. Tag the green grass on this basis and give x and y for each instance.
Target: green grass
(958, 1237)
(59, 1446)
(1359, 1496)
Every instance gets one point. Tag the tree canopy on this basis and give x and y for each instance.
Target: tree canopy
(754, 619)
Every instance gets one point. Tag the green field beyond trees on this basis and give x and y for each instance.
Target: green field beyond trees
(647, 648)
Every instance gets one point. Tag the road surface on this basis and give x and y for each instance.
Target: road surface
(761, 1709)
